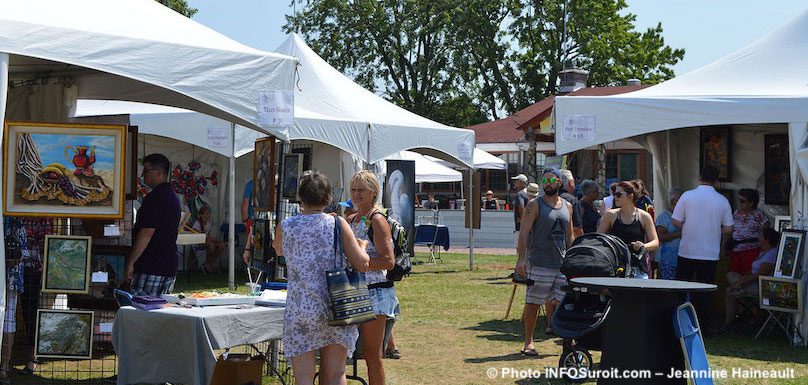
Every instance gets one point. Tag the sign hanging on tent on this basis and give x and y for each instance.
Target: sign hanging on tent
(578, 127)
(276, 108)
(218, 137)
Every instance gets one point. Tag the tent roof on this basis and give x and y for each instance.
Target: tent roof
(331, 108)
(123, 49)
(426, 170)
(765, 82)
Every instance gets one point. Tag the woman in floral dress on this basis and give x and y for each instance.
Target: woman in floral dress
(307, 242)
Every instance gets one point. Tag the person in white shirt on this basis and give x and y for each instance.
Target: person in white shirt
(704, 216)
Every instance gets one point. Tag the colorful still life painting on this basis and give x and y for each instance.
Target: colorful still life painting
(64, 170)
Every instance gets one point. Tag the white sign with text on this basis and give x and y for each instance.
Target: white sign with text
(276, 108)
(578, 127)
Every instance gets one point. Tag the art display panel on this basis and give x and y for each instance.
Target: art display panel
(264, 174)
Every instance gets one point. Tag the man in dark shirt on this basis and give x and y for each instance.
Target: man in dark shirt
(151, 265)
(568, 193)
(589, 216)
(519, 201)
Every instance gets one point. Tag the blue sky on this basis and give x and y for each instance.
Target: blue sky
(707, 29)
(52, 149)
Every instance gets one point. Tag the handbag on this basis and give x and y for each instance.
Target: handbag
(349, 298)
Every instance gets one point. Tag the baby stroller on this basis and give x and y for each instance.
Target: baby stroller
(579, 316)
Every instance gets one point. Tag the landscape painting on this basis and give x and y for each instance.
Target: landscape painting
(66, 264)
(781, 294)
(64, 334)
(64, 170)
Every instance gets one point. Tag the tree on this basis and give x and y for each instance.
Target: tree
(454, 60)
(180, 6)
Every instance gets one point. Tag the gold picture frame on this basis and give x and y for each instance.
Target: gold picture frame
(64, 170)
(66, 264)
(54, 328)
(264, 170)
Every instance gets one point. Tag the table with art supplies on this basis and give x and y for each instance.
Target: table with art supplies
(175, 343)
(639, 332)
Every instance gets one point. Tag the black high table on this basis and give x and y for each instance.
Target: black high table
(638, 332)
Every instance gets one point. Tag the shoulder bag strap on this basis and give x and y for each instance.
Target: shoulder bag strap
(339, 261)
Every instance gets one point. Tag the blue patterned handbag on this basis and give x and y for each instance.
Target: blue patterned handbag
(347, 289)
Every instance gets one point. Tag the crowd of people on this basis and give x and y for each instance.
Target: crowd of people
(683, 242)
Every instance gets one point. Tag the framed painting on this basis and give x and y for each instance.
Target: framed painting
(259, 239)
(777, 174)
(715, 149)
(64, 334)
(792, 243)
(292, 170)
(730, 195)
(64, 170)
(780, 294)
(66, 264)
(264, 174)
(782, 222)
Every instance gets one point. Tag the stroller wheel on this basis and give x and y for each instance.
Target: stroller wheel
(578, 362)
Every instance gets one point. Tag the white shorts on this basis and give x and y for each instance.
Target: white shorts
(546, 285)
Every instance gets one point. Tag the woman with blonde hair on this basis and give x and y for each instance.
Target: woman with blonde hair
(308, 243)
(364, 194)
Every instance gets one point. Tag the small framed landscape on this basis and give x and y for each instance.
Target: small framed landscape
(66, 264)
(782, 222)
(780, 294)
(788, 255)
(64, 334)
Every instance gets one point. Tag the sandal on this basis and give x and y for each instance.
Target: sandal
(392, 354)
(28, 370)
(529, 352)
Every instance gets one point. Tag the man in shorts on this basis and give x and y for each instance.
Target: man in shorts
(546, 233)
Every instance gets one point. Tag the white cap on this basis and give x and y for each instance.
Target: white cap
(520, 177)
(532, 190)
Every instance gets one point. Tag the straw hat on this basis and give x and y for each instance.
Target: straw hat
(532, 190)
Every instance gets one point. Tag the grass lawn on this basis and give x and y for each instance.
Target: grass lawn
(452, 330)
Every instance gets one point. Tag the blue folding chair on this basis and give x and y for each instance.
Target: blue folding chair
(686, 327)
(122, 298)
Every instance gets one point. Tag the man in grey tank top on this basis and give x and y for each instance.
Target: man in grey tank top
(546, 234)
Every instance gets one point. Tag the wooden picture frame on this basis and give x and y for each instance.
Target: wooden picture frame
(292, 170)
(782, 222)
(57, 332)
(264, 170)
(64, 170)
(789, 253)
(715, 149)
(780, 294)
(66, 264)
(777, 170)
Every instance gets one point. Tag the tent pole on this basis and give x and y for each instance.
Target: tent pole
(4, 59)
(471, 219)
(231, 240)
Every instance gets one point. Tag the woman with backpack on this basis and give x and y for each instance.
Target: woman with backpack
(364, 193)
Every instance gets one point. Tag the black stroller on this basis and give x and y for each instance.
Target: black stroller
(579, 316)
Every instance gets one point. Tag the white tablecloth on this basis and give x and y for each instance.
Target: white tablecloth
(176, 344)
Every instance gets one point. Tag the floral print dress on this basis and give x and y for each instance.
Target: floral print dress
(308, 246)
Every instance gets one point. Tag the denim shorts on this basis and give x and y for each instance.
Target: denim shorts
(384, 301)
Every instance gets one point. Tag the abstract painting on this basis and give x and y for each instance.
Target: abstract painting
(66, 265)
(788, 255)
(777, 174)
(292, 170)
(64, 170)
(781, 294)
(259, 239)
(264, 174)
(64, 334)
(715, 149)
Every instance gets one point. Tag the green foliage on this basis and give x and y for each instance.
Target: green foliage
(457, 61)
(179, 6)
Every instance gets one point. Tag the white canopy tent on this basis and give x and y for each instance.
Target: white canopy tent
(762, 83)
(135, 50)
(426, 170)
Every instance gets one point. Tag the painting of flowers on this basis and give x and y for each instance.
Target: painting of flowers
(64, 334)
(63, 170)
(191, 182)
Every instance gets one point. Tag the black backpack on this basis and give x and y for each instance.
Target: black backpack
(403, 265)
(595, 255)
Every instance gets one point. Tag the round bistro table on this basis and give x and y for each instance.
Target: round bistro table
(638, 332)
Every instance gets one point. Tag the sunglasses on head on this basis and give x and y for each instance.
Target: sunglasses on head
(548, 180)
